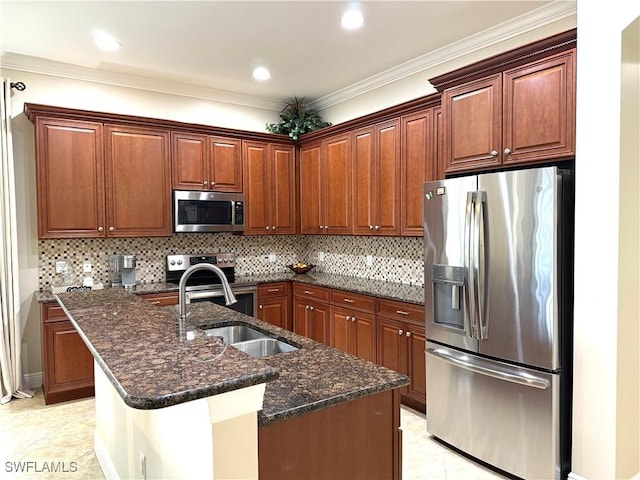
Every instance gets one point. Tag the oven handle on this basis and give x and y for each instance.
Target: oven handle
(218, 293)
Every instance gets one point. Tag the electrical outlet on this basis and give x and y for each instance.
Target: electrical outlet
(86, 267)
(272, 257)
(143, 465)
(369, 260)
(321, 256)
(60, 266)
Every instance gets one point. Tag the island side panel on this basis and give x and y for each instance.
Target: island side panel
(360, 439)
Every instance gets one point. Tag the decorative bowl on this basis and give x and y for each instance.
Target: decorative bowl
(298, 269)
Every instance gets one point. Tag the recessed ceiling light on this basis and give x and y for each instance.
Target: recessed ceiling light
(352, 19)
(261, 73)
(105, 41)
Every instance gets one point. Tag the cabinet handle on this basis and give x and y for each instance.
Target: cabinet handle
(157, 302)
(400, 332)
(494, 153)
(111, 229)
(272, 290)
(402, 312)
(100, 229)
(307, 292)
(348, 300)
(408, 334)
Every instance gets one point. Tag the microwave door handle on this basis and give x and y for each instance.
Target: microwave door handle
(469, 298)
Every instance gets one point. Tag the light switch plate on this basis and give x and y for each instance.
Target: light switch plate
(369, 260)
(321, 256)
(272, 257)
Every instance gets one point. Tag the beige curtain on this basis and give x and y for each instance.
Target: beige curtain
(12, 382)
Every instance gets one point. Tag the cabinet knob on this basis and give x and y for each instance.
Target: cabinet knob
(408, 334)
(111, 229)
(311, 307)
(348, 318)
(326, 226)
(213, 183)
(377, 227)
(400, 332)
(353, 319)
(260, 307)
(267, 227)
(307, 307)
(370, 227)
(507, 151)
(273, 228)
(205, 183)
(494, 153)
(100, 229)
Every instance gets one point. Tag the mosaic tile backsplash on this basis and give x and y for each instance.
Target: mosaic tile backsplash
(395, 259)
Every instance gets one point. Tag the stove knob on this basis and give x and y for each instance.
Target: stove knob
(172, 262)
(179, 262)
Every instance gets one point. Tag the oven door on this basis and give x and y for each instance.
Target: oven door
(246, 296)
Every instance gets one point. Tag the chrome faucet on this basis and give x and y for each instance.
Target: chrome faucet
(229, 297)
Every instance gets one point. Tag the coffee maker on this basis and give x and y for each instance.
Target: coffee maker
(123, 270)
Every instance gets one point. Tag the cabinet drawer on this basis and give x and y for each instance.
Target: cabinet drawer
(52, 312)
(355, 301)
(401, 310)
(311, 291)
(161, 299)
(272, 290)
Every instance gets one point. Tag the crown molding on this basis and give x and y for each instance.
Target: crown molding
(26, 63)
(525, 23)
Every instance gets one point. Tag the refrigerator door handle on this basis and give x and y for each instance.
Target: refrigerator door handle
(480, 256)
(495, 372)
(469, 292)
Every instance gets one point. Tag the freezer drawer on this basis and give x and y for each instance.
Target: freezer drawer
(506, 416)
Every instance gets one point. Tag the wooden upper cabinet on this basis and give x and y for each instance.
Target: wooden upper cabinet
(70, 178)
(519, 116)
(269, 183)
(539, 110)
(203, 162)
(138, 182)
(325, 186)
(337, 188)
(376, 179)
(418, 165)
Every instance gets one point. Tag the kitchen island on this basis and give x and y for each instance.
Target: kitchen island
(314, 412)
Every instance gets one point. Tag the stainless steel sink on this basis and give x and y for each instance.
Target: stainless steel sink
(235, 333)
(249, 340)
(264, 347)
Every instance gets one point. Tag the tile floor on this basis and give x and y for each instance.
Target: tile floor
(61, 437)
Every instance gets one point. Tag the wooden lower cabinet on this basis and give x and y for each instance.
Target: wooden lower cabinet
(360, 439)
(161, 299)
(67, 362)
(353, 332)
(311, 319)
(274, 304)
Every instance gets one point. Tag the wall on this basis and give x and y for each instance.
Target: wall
(606, 400)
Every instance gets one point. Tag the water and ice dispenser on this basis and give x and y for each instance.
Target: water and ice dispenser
(448, 295)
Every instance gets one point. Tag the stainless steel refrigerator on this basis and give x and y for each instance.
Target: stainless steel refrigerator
(498, 304)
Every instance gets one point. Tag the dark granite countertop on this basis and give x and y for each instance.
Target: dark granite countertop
(394, 291)
(162, 370)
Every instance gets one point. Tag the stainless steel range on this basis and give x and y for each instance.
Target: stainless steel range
(205, 286)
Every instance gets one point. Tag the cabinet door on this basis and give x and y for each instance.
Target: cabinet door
(320, 322)
(539, 110)
(416, 342)
(473, 125)
(302, 321)
(283, 187)
(341, 330)
(417, 166)
(364, 207)
(387, 178)
(364, 333)
(337, 185)
(189, 159)
(274, 311)
(311, 183)
(438, 141)
(68, 363)
(225, 165)
(138, 182)
(70, 174)
(256, 188)
(392, 345)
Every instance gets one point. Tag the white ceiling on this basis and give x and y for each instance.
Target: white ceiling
(212, 46)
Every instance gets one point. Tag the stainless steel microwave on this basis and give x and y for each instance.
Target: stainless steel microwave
(195, 211)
